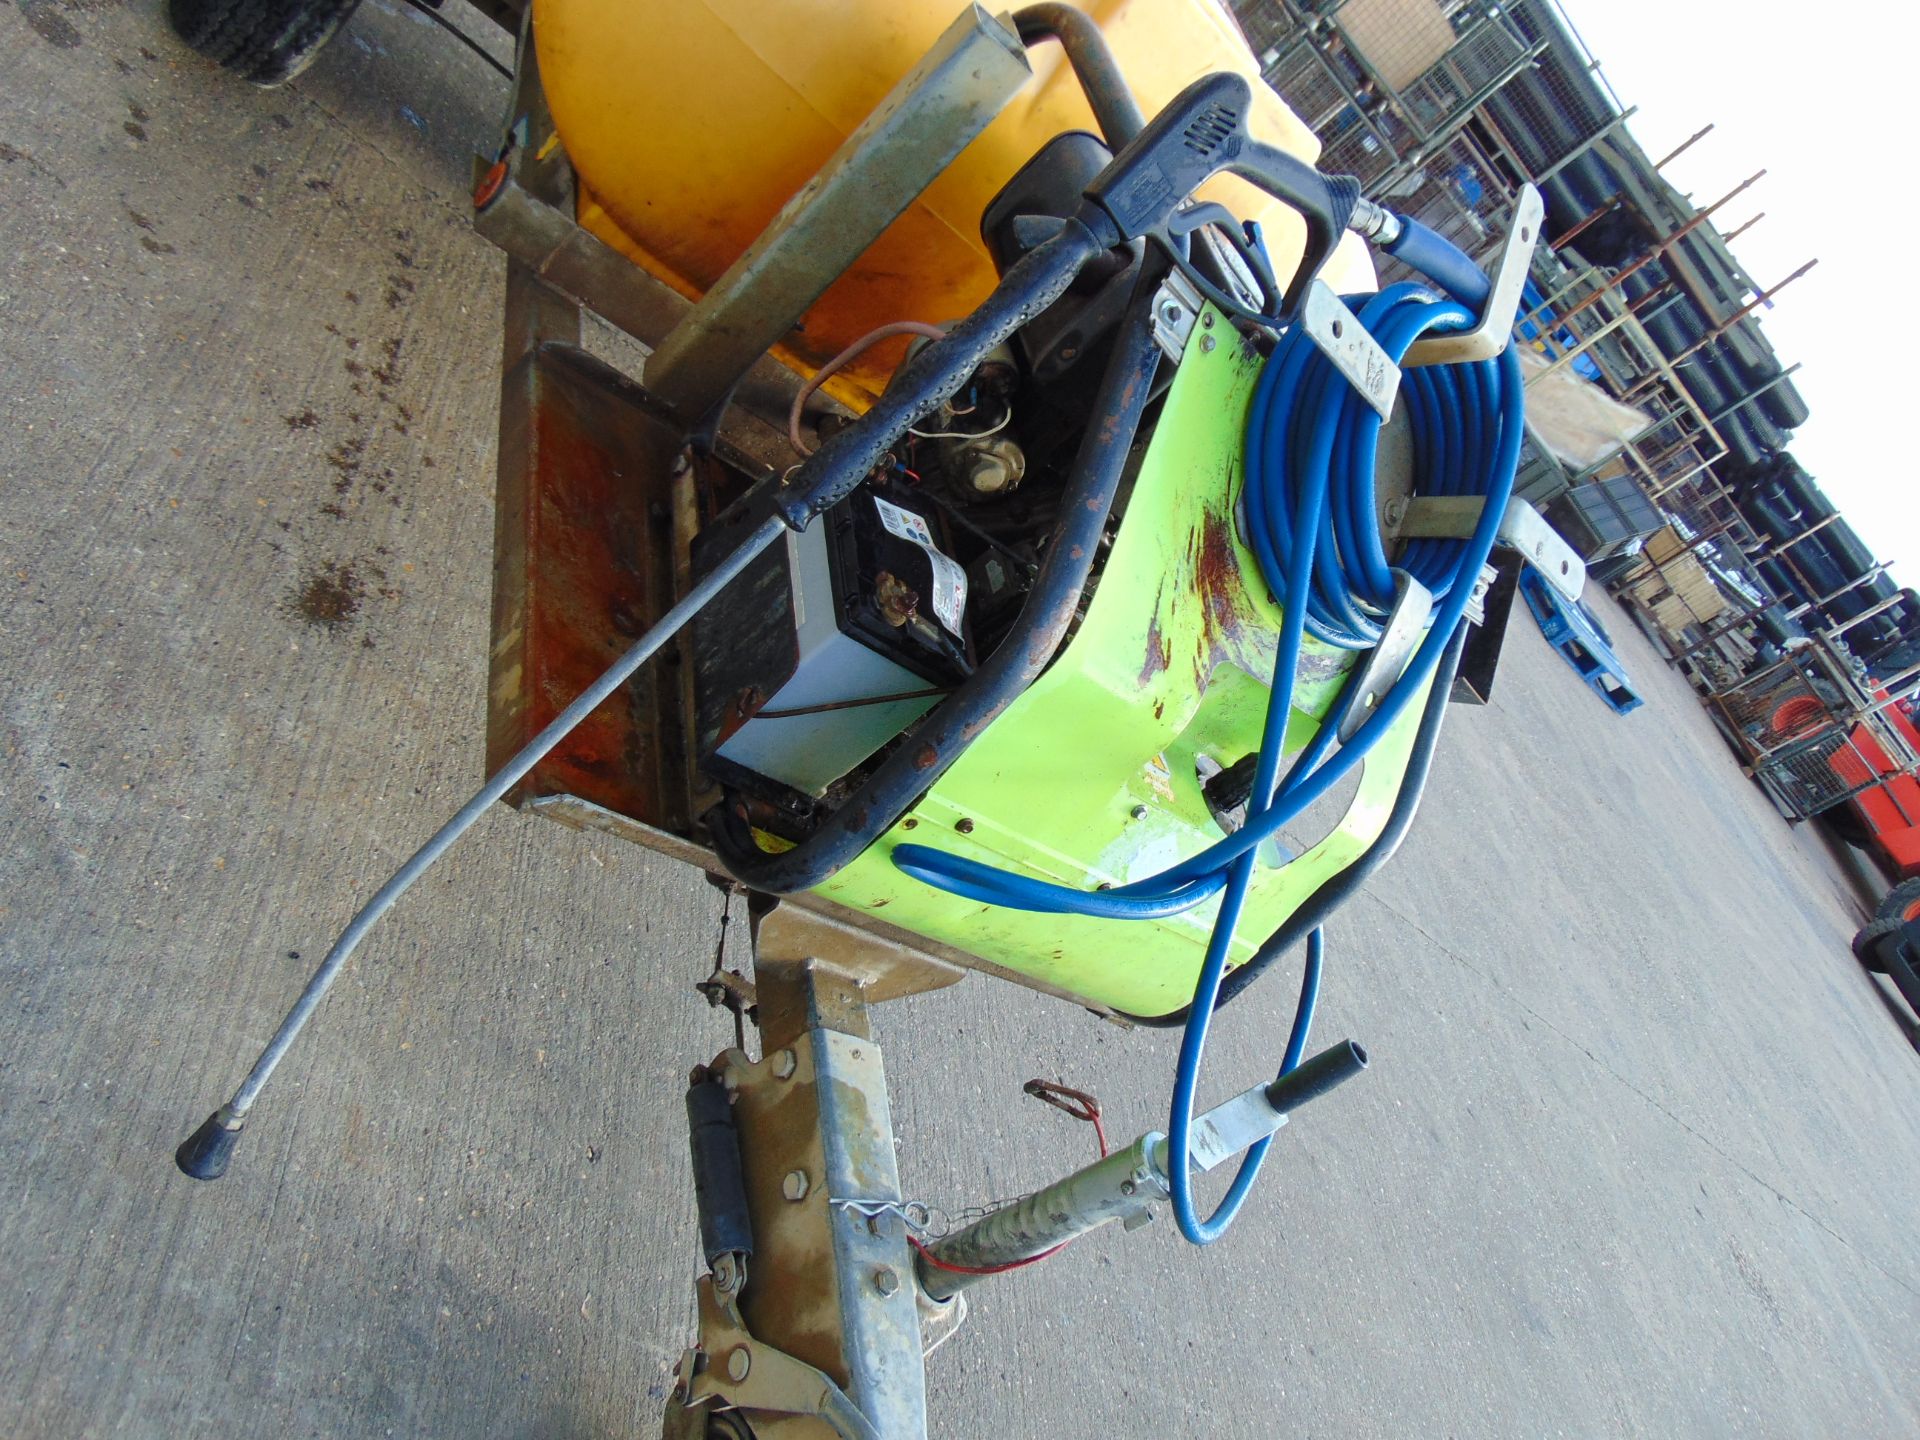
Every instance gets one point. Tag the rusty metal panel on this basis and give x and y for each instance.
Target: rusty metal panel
(583, 564)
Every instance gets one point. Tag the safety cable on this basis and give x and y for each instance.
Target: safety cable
(1309, 497)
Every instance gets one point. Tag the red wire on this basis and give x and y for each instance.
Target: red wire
(1056, 1096)
(1077, 1103)
(939, 1264)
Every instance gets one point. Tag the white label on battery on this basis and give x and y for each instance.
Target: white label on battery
(949, 580)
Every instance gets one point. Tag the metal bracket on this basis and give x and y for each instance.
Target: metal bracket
(1477, 601)
(1350, 347)
(732, 1370)
(883, 968)
(912, 136)
(1494, 332)
(1233, 1126)
(1525, 529)
(1481, 659)
(1522, 528)
(1412, 605)
(1176, 308)
(825, 1323)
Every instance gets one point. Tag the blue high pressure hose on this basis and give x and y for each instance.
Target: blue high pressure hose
(1310, 449)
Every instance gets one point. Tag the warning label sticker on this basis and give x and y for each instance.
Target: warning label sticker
(949, 580)
(1160, 777)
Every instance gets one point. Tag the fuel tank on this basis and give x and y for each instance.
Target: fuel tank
(691, 122)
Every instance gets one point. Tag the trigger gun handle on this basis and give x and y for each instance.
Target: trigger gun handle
(1201, 133)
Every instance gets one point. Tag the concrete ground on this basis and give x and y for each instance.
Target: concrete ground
(1636, 1155)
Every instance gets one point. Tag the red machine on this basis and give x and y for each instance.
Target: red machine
(1888, 812)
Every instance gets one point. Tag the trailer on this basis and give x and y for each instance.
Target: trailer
(1026, 509)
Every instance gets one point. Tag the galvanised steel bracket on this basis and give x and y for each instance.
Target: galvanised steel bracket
(934, 113)
(1494, 332)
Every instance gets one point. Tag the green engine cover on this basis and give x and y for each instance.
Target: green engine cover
(1091, 776)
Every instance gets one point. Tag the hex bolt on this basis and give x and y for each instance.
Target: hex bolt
(885, 1280)
(784, 1065)
(1126, 1187)
(738, 1363)
(794, 1187)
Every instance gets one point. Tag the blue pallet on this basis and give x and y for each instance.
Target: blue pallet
(1581, 641)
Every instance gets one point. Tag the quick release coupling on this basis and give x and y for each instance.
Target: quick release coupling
(1374, 222)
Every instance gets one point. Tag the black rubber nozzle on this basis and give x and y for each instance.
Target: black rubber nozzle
(204, 1154)
(1313, 1078)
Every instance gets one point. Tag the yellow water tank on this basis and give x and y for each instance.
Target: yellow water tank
(691, 122)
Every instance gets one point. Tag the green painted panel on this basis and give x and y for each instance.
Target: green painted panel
(1169, 664)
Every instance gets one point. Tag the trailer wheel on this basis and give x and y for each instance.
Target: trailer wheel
(1902, 902)
(265, 41)
(1863, 943)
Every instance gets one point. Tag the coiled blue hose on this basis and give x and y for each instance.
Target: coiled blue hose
(1310, 447)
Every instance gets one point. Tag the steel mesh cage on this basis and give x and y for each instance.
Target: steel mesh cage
(1805, 734)
(1806, 777)
(1773, 707)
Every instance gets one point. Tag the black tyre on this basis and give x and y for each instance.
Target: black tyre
(1902, 902)
(1844, 822)
(1863, 943)
(265, 41)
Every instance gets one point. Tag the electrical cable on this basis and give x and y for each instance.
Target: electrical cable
(993, 429)
(1309, 499)
(926, 1254)
(1005, 673)
(845, 358)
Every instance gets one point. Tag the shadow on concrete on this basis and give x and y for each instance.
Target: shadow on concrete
(1896, 1007)
(1865, 877)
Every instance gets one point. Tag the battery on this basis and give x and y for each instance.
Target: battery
(830, 645)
